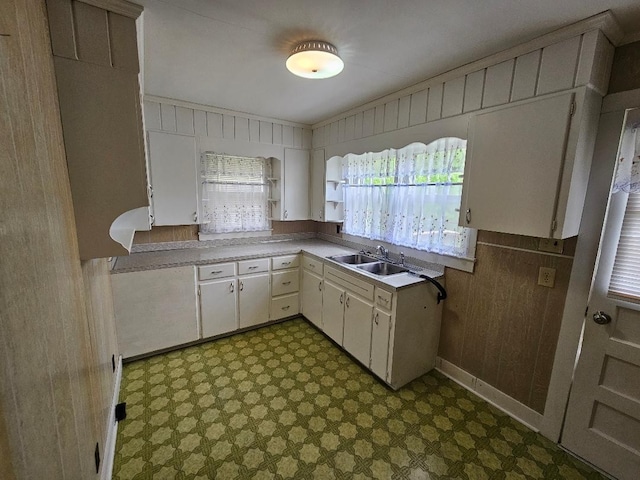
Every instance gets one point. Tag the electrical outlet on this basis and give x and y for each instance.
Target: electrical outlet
(547, 277)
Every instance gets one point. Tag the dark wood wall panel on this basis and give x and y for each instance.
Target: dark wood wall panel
(498, 324)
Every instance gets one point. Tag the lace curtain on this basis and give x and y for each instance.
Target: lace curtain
(235, 193)
(408, 197)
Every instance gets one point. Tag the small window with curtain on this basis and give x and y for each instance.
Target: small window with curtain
(409, 197)
(235, 194)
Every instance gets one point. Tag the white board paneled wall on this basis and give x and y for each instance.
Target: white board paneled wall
(162, 115)
(564, 64)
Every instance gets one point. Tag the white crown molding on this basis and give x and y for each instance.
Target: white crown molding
(223, 111)
(121, 7)
(604, 22)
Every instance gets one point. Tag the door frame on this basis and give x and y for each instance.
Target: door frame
(608, 137)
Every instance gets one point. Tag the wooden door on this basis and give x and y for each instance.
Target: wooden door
(602, 423)
(380, 343)
(296, 184)
(333, 311)
(312, 297)
(358, 317)
(513, 167)
(219, 307)
(174, 179)
(253, 300)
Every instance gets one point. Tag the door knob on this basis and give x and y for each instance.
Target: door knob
(601, 318)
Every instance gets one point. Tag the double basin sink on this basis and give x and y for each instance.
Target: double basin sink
(369, 264)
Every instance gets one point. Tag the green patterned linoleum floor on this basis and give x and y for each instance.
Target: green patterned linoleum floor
(284, 402)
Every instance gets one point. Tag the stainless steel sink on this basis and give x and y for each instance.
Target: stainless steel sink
(356, 259)
(383, 268)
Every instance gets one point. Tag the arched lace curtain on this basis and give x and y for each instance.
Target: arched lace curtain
(235, 193)
(408, 197)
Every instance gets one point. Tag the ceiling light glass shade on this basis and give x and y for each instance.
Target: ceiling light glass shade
(315, 59)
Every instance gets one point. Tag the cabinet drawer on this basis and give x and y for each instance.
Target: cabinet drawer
(284, 306)
(287, 261)
(253, 266)
(284, 282)
(219, 270)
(383, 299)
(312, 265)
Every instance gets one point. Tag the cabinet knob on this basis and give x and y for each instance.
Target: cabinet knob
(468, 216)
(601, 318)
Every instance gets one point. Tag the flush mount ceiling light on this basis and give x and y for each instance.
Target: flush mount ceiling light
(315, 59)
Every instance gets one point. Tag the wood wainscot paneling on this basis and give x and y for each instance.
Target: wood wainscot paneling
(53, 384)
(298, 226)
(501, 326)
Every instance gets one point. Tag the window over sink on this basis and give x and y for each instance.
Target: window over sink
(409, 197)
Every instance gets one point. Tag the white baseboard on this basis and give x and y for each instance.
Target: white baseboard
(106, 469)
(495, 397)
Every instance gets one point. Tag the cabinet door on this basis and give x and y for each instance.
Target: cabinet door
(333, 311)
(174, 178)
(154, 309)
(358, 316)
(317, 185)
(312, 297)
(514, 163)
(380, 343)
(253, 299)
(296, 184)
(218, 307)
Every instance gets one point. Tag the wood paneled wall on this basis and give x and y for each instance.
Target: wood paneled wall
(174, 116)
(53, 379)
(517, 74)
(181, 233)
(498, 324)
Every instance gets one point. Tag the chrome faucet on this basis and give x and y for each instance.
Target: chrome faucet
(383, 252)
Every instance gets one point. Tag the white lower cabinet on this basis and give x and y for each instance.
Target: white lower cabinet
(380, 342)
(312, 297)
(333, 311)
(154, 309)
(219, 307)
(253, 299)
(357, 328)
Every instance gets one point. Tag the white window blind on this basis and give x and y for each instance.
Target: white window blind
(625, 278)
(409, 197)
(235, 193)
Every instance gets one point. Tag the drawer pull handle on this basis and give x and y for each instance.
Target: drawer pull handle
(241, 286)
(375, 319)
(320, 285)
(216, 272)
(341, 298)
(385, 300)
(231, 287)
(312, 265)
(253, 267)
(285, 263)
(347, 302)
(287, 283)
(286, 307)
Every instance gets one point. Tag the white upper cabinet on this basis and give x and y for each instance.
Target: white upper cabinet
(174, 178)
(528, 164)
(316, 185)
(291, 184)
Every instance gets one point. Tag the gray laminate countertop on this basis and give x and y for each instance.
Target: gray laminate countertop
(321, 249)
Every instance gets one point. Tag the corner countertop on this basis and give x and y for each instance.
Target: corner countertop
(321, 249)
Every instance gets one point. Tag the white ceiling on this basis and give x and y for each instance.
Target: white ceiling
(231, 53)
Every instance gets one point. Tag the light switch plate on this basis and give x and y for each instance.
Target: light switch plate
(547, 277)
(551, 245)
